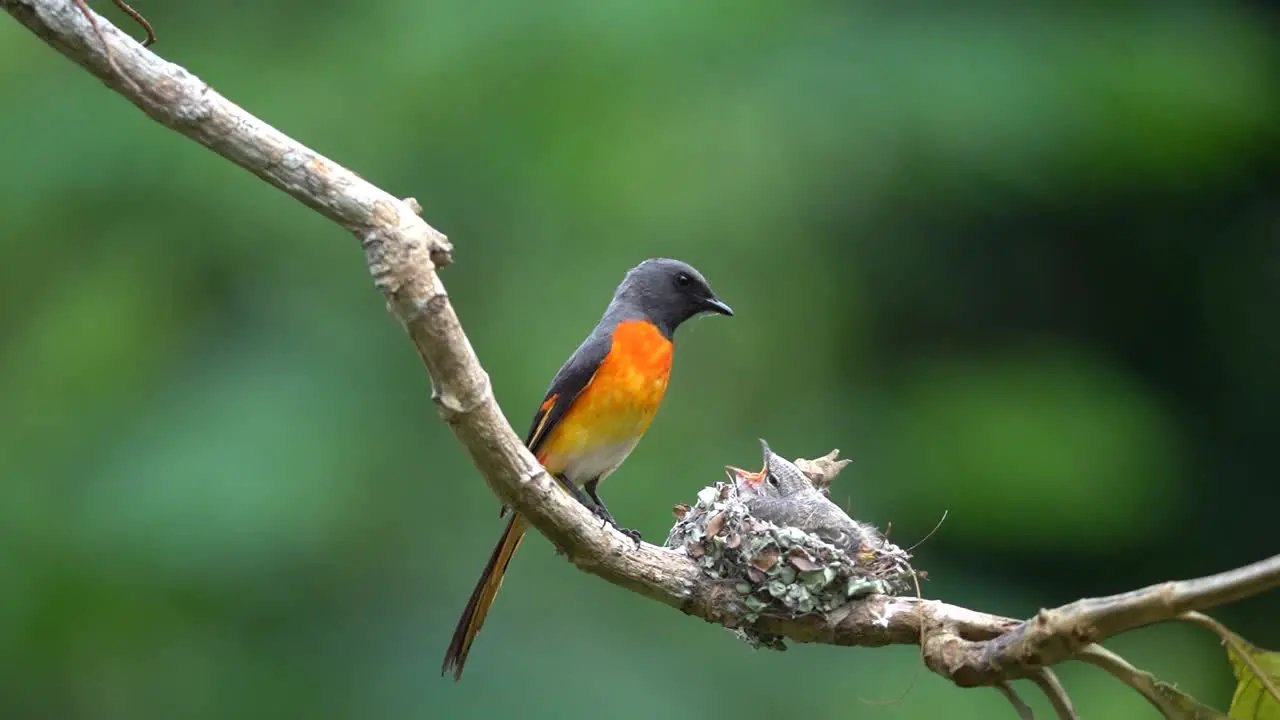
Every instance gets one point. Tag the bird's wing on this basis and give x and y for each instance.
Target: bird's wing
(568, 383)
(573, 377)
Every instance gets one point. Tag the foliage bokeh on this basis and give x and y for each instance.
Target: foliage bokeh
(1021, 263)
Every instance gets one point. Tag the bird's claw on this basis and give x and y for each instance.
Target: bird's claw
(633, 534)
(606, 518)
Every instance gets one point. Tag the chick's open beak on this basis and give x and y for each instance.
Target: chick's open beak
(737, 474)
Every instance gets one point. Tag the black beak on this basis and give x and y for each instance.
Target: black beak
(716, 305)
(764, 446)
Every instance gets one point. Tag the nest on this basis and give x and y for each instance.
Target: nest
(785, 571)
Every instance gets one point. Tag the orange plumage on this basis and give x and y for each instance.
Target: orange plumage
(617, 405)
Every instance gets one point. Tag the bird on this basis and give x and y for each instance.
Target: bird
(783, 494)
(596, 409)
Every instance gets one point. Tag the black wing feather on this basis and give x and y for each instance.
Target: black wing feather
(572, 378)
(569, 382)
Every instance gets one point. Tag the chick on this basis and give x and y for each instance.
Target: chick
(783, 494)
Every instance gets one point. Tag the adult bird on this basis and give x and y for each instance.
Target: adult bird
(597, 408)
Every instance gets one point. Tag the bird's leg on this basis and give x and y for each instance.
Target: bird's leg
(598, 505)
(586, 500)
(605, 515)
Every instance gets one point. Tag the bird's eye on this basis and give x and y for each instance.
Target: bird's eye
(773, 479)
(683, 280)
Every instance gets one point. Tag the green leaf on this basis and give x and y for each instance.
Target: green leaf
(1251, 700)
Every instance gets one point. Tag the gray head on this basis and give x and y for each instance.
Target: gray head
(666, 292)
(783, 474)
(779, 477)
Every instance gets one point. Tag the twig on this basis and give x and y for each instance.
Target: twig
(128, 9)
(1233, 640)
(139, 18)
(1055, 635)
(1172, 704)
(928, 535)
(1023, 710)
(92, 17)
(1047, 681)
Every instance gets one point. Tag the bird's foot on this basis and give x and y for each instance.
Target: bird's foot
(602, 512)
(633, 534)
(607, 519)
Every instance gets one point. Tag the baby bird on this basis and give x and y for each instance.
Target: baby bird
(782, 494)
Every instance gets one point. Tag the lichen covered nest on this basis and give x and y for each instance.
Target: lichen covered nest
(782, 571)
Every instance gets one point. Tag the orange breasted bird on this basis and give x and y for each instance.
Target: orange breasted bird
(597, 408)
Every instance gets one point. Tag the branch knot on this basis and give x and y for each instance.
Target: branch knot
(455, 403)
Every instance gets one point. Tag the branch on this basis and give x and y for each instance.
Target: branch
(1020, 707)
(1171, 703)
(1238, 646)
(1056, 635)
(403, 253)
(1047, 681)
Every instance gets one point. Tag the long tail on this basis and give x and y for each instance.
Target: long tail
(482, 597)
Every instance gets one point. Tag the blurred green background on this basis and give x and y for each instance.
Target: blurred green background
(1021, 263)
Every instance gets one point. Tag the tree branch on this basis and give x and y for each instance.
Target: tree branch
(403, 252)
(1020, 707)
(1055, 635)
(1234, 642)
(1171, 703)
(1047, 681)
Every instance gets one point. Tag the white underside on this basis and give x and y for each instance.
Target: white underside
(597, 463)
